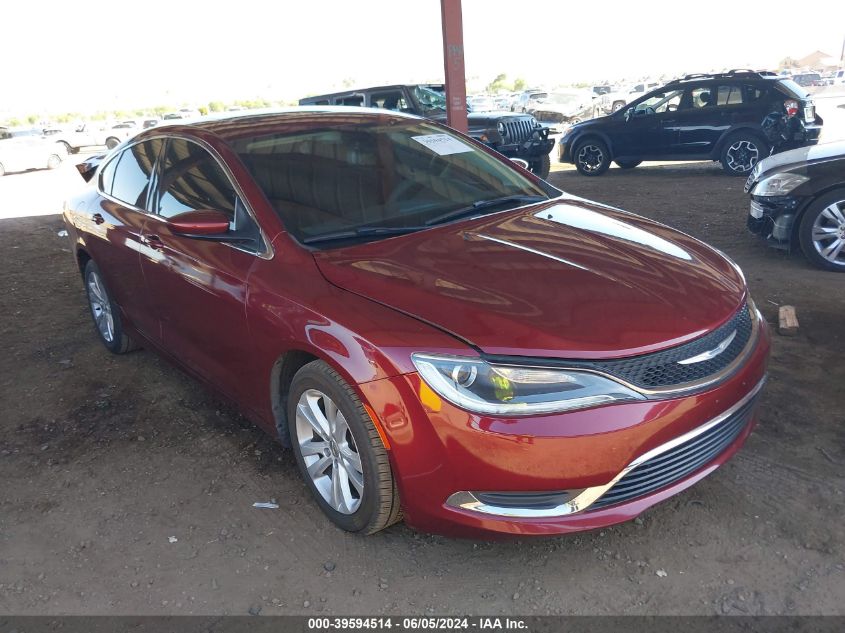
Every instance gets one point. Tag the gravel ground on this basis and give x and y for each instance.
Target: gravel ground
(128, 487)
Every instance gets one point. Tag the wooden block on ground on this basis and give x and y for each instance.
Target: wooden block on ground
(787, 321)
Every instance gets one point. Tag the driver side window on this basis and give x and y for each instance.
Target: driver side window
(660, 102)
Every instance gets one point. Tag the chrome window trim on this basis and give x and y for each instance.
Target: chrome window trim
(468, 501)
(268, 251)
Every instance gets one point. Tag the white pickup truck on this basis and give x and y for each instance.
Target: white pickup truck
(87, 135)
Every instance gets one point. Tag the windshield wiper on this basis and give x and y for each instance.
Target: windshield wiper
(362, 231)
(482, 204)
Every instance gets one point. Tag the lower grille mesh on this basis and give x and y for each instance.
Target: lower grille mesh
(678, 462)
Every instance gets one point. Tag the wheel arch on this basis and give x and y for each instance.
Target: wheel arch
(592, 134)
(716, 154)
(82, 258)
(281, 377)
(799, 215)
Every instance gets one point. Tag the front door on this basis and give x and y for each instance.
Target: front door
(199, 287)
(646, 132)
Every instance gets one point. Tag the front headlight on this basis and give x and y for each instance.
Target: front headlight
(778, 185)
(481, 387)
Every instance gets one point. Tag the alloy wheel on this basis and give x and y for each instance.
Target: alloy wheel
(590, 157)
(329, 451)
(742, 156)
(100, 304)
(828, 234)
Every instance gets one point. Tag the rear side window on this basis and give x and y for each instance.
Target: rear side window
(791, 89)
(192, 179)
(127, 177)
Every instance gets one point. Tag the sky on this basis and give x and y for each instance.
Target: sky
(64, 56)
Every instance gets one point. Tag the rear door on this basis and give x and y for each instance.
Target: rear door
(113, 229)
(713, 109)
(199, 287)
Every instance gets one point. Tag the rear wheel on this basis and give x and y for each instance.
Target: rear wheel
(112, 142)
(822, 232)
(618, 105)
(54, 161)
(592, 157)
(541, 166)
(105, 312)
(339, 451)
(741, 152)
(628, 164)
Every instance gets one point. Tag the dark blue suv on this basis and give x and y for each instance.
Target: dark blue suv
(700, 117)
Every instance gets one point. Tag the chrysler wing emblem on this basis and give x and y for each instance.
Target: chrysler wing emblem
(713, 353)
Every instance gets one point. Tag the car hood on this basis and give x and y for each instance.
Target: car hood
(563, 279)
(559, 108)
(800, 156)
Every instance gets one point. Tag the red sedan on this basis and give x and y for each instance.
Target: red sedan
(436, 333)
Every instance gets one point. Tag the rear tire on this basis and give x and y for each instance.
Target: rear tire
(627, 164)
(592, 158)
(541, 166)
(821, 232)
(338, 449)
(105, 312)
(741, 152)
(112, 142)
(54, 162)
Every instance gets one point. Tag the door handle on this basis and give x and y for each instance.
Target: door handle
(153, 241)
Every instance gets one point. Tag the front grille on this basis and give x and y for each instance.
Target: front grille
(678, 462)
(518, 130)
(663, 369)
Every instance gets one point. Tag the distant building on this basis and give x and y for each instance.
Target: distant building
(818, 60)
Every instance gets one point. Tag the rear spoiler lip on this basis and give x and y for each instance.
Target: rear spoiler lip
(88, 168)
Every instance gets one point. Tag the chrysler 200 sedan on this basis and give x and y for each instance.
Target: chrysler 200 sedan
(435, 332)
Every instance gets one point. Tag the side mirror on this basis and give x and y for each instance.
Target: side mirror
(520, 162)
(199, 223)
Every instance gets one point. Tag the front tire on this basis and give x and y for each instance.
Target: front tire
(541, 166)
(339, 452)
(105, 312)
(112, 142)
(822, 231)
(592, 158)
(741, 152)
(54, 162)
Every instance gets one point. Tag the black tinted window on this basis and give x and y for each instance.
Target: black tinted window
(132, 169)
(192, 179)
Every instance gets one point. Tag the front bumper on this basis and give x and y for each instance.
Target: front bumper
(438, 450)
(773, 218)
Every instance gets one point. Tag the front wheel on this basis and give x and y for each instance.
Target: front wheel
(741, 152)
(112, 142)
(105, 312)
(54, 162)
(592, 157)
(541, 166)
(339, 452)
(822, 232)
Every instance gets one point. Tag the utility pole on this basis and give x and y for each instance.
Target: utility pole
(453, 62)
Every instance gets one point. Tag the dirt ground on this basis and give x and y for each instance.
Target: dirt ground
(127, 488)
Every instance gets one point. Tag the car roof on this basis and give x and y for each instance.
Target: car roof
(233, 125)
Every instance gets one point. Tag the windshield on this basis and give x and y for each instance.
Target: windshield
(429, 99)
(380, 174)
